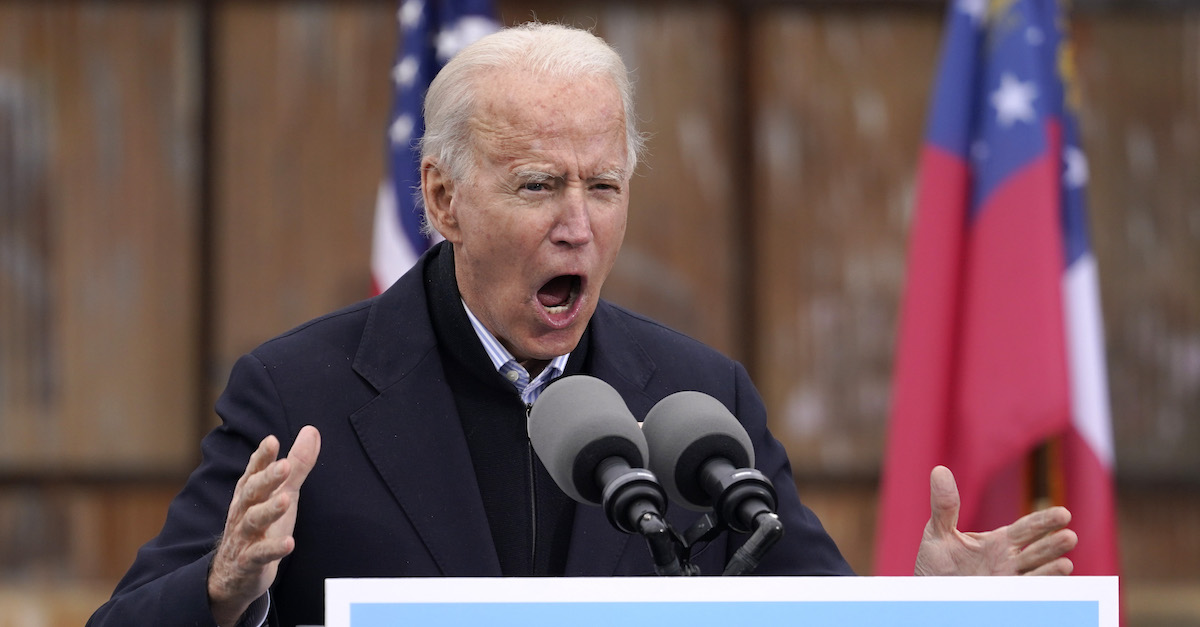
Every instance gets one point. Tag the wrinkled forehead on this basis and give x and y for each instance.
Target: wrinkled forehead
(515, 104)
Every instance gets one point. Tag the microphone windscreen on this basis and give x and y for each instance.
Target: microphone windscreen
(577, 422)
(685, 430)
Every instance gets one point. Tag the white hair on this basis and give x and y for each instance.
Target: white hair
(544, 49)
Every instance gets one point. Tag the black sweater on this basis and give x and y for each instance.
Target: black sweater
(530, 517)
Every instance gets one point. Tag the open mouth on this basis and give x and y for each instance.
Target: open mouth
(559, 293)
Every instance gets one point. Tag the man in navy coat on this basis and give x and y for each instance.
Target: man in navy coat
(403, 417)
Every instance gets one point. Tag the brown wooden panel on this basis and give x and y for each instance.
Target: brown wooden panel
(97, 257)
(677, 264)
(847, 509)
(302, 98)
(1141, 126)
(1158, 526)
(63, 548)
(84, 533)
(839, 108)
(63, 604)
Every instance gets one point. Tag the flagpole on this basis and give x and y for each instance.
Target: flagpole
(1045, 482)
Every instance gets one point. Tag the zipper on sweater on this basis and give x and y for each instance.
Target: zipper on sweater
(532, 497)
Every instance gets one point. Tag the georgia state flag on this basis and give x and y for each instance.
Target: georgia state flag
(1000, 348)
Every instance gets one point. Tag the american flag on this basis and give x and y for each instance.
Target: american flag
(1001, 345)
(431, 31)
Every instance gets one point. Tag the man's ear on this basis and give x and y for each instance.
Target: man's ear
(437, 190)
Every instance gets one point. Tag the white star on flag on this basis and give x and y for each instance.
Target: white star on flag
(1076, 174)
(1014, 101)
(405, 72)
(401, 130)
(464, 32)
(1034, 36)
(410, 13)
(975, 9)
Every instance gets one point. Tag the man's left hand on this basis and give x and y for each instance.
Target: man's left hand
(1033, 545)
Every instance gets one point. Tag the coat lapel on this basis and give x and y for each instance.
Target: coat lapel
(413, 435)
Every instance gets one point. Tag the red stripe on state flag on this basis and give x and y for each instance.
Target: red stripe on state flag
(1014, 390)
(920, 420)
(980, 368)
(1089, 496)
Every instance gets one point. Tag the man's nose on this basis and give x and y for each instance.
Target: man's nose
(574, 225)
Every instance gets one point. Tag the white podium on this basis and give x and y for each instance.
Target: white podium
(808, 601)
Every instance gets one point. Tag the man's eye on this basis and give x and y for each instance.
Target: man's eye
(534, 187)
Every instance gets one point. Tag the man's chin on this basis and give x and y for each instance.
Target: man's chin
(553, 344)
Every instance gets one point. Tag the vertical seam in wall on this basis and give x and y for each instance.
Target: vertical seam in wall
(743, 219)
(206, 216)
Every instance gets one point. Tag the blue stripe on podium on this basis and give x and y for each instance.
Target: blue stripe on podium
(808, 613)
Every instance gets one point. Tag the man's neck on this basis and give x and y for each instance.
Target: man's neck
(534, 366)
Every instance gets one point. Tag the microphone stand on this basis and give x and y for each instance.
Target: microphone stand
(634, 501)
(745, 503)
(768, 529)
(667, 551)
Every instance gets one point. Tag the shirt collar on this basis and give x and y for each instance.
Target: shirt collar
(507, 365)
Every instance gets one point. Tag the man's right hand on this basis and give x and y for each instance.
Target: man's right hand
(258, 529)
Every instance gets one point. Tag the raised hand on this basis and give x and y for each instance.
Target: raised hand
(1033, 545)
(258, 528)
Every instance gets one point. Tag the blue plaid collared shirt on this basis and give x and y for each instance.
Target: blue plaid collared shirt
(507, 365)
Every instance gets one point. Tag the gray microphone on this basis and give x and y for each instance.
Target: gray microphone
(705, 460)
(594, 450)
